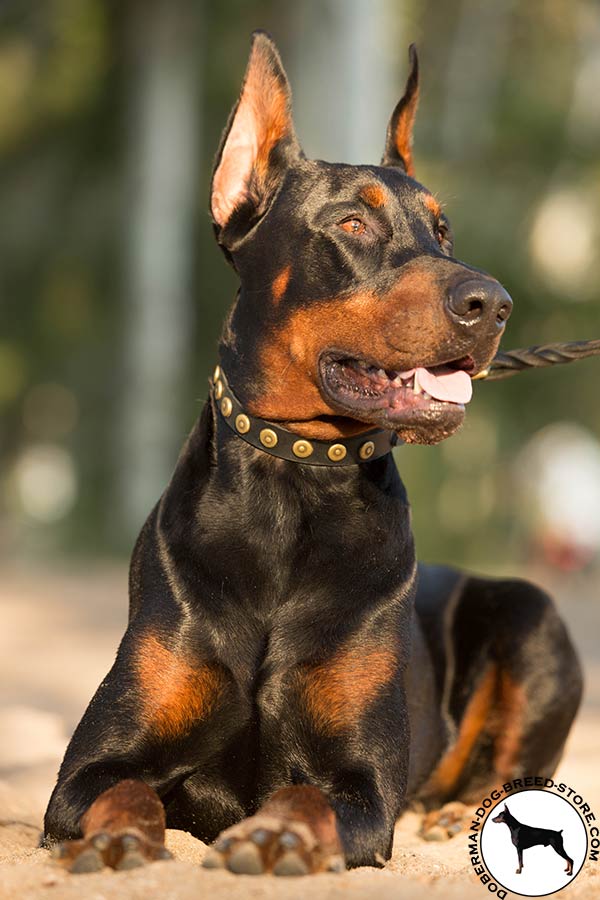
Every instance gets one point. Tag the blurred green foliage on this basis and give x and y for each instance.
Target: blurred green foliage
(66, 70)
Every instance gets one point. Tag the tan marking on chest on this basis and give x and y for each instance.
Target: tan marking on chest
(337, 692)
(174, 694)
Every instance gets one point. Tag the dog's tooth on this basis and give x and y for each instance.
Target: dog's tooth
(426, 395)
(381, 373)
(416, 385)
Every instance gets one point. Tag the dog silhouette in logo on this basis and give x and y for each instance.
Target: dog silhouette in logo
(525, 836)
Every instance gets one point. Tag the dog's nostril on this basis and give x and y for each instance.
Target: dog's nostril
(477, 300)
(504, 312)
(466, 302)
(474, 310)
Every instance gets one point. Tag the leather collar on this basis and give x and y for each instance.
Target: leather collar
(278, 441)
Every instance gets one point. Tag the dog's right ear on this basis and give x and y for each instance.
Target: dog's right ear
(257, 145)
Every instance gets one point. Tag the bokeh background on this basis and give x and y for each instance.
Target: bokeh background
(112, 294)
(112, 290)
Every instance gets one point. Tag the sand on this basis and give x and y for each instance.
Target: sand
(60, 636)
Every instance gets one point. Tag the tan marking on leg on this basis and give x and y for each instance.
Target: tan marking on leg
(512, 706)
(337, 692)
(475, 717)
(174, 694)
(280, 283)
(306, 804)
(129, 804)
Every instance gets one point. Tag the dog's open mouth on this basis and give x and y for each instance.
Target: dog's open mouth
(398, 398)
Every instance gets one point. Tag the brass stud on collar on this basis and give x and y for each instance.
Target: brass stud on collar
(226, 407)
(336, 452)
(217, 373)
(366, 450)
(303, 449)
(242, 423)
(268, 438)
(219, 389)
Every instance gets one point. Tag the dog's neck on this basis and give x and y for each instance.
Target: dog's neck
(275, 440)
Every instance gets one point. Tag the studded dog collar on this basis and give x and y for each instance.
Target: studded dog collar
(278, 441)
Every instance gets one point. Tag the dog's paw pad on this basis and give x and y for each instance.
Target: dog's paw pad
(443, 824)
(271, 844)
(123, 850)
(88, 861)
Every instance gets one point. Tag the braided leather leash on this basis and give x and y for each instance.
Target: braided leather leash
(512, 362)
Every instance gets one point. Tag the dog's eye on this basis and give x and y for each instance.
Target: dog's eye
(354, 226)
(443, 235)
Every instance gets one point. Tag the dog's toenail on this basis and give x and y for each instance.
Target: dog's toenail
(130, 842)
(101, 841)
(289, 840)
(260, 836)
(222, 844)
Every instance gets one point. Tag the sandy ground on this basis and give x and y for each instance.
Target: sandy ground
(59, 635)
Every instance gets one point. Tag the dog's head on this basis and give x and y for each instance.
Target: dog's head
(502, 815)
(353, 311)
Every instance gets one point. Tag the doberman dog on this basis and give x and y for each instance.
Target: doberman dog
(289, 679)
(525, 836)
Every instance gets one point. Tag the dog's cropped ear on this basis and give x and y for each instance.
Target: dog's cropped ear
(258, 143)
(398, 144)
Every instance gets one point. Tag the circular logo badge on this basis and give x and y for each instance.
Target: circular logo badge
(534, 843)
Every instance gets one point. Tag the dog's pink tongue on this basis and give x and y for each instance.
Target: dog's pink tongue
(452, 386)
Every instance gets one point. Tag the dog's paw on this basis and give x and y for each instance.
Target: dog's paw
(443, 824)
(126, 849)
(265, 843)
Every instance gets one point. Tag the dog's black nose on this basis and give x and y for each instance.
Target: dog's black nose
(476, 301)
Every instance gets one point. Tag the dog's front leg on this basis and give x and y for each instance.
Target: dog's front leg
(520, 855)
(303, 829)
(341, 745)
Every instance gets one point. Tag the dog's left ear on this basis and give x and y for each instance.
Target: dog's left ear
(398, 145)
(258, 143)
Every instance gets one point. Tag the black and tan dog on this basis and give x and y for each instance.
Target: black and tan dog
(278, 687)
(525, 836)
